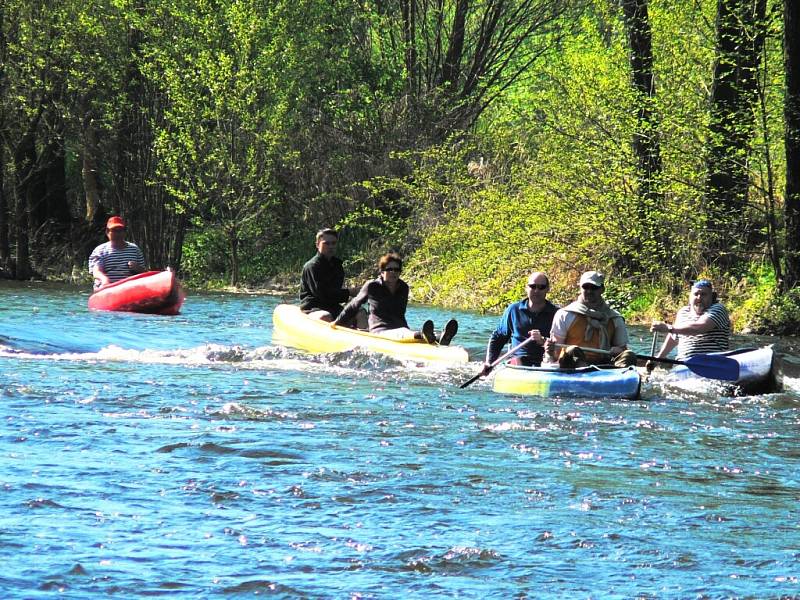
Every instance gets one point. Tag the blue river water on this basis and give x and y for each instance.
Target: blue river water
(187, 457)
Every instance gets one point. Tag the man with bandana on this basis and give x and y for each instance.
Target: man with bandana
(589, 323)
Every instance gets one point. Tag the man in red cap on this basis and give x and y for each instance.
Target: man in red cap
(116, 259)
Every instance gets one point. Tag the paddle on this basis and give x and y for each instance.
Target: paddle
(495, 363)
(652, 351)
(711, 366)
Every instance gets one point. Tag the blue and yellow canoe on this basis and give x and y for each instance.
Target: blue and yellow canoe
(585, 382)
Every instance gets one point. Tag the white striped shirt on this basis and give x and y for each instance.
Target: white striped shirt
(114, 261)
(716, 340)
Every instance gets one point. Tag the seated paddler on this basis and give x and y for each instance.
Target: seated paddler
(702, 326)
(322, 289)
(588, 323)
(117, 258)
(387, 297)
(530, 317)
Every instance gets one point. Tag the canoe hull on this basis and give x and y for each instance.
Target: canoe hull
(292, 327)
(589, 382)
(755, 369)
(152, 292)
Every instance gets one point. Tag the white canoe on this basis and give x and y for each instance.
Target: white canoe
(755, 368)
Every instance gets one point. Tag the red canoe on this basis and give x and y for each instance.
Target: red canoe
(153, 292)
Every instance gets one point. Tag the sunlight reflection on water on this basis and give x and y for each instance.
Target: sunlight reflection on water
(146, 456)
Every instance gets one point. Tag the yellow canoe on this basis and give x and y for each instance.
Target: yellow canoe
(292, 327)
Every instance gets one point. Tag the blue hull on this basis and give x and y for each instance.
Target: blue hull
(588, 382)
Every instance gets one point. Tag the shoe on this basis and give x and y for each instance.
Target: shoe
(450, 331)
(427, 332)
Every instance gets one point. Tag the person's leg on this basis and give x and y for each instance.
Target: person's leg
(359, 321)
(427, 332)
(450, 330)
(572, 357)
(362, 321)
(401, 334)
(321, 315)
(626, 358)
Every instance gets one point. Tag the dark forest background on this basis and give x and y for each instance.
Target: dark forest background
(658, 141)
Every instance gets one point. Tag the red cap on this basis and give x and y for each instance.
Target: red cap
(115, 222)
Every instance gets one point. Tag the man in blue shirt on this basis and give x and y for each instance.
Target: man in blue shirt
(530, 317)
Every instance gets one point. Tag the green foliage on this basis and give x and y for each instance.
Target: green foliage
(781, 316)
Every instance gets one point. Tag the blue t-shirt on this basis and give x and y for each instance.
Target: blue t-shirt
(516, 324)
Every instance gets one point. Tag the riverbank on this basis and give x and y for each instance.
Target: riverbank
(755, 307)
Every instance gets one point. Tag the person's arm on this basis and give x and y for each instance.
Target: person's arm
(703, 325)
(558, 335)
(497, 340)
(137, 265)
(620, 342)
(96, 268)
(100, 275)
(667, 346)
(351, 308)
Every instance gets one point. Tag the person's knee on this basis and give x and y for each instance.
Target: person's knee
(572, 357)
(321, 315)
(626, 358)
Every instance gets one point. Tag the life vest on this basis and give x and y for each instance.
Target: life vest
(576, 336)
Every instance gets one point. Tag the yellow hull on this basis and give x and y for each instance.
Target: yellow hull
(292, 327)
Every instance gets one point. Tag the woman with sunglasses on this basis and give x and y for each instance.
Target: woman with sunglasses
(388, 299)
(530, 317)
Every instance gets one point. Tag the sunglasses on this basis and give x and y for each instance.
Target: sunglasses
(538, 286)
(589, 286)
(392, 269)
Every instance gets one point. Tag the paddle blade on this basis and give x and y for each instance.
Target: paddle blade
(713, 366)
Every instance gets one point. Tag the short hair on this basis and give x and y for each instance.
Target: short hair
(390, 257)
(326, 231)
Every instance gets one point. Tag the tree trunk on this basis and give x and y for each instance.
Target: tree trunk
(25, 166)
(791, 41)
(91, 188)
(740, 41)
(646, 145)
(5, 246)
(233, 245)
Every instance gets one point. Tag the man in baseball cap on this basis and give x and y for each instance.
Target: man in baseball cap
(115, 259)
(589, 323)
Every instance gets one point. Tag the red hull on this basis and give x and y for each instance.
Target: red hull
(153, 292)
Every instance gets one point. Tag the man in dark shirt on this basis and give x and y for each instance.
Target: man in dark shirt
(322, 290)
(530, 317)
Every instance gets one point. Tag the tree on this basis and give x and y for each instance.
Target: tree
(460, 56)
(646, 145)
(218, 63)
(740, 33)
(791, 40)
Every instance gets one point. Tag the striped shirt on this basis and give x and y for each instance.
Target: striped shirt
(114, 261)
(716, 340)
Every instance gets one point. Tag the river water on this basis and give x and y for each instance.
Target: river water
(187, 456)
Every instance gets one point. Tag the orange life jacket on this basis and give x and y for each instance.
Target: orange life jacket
(576, 337)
